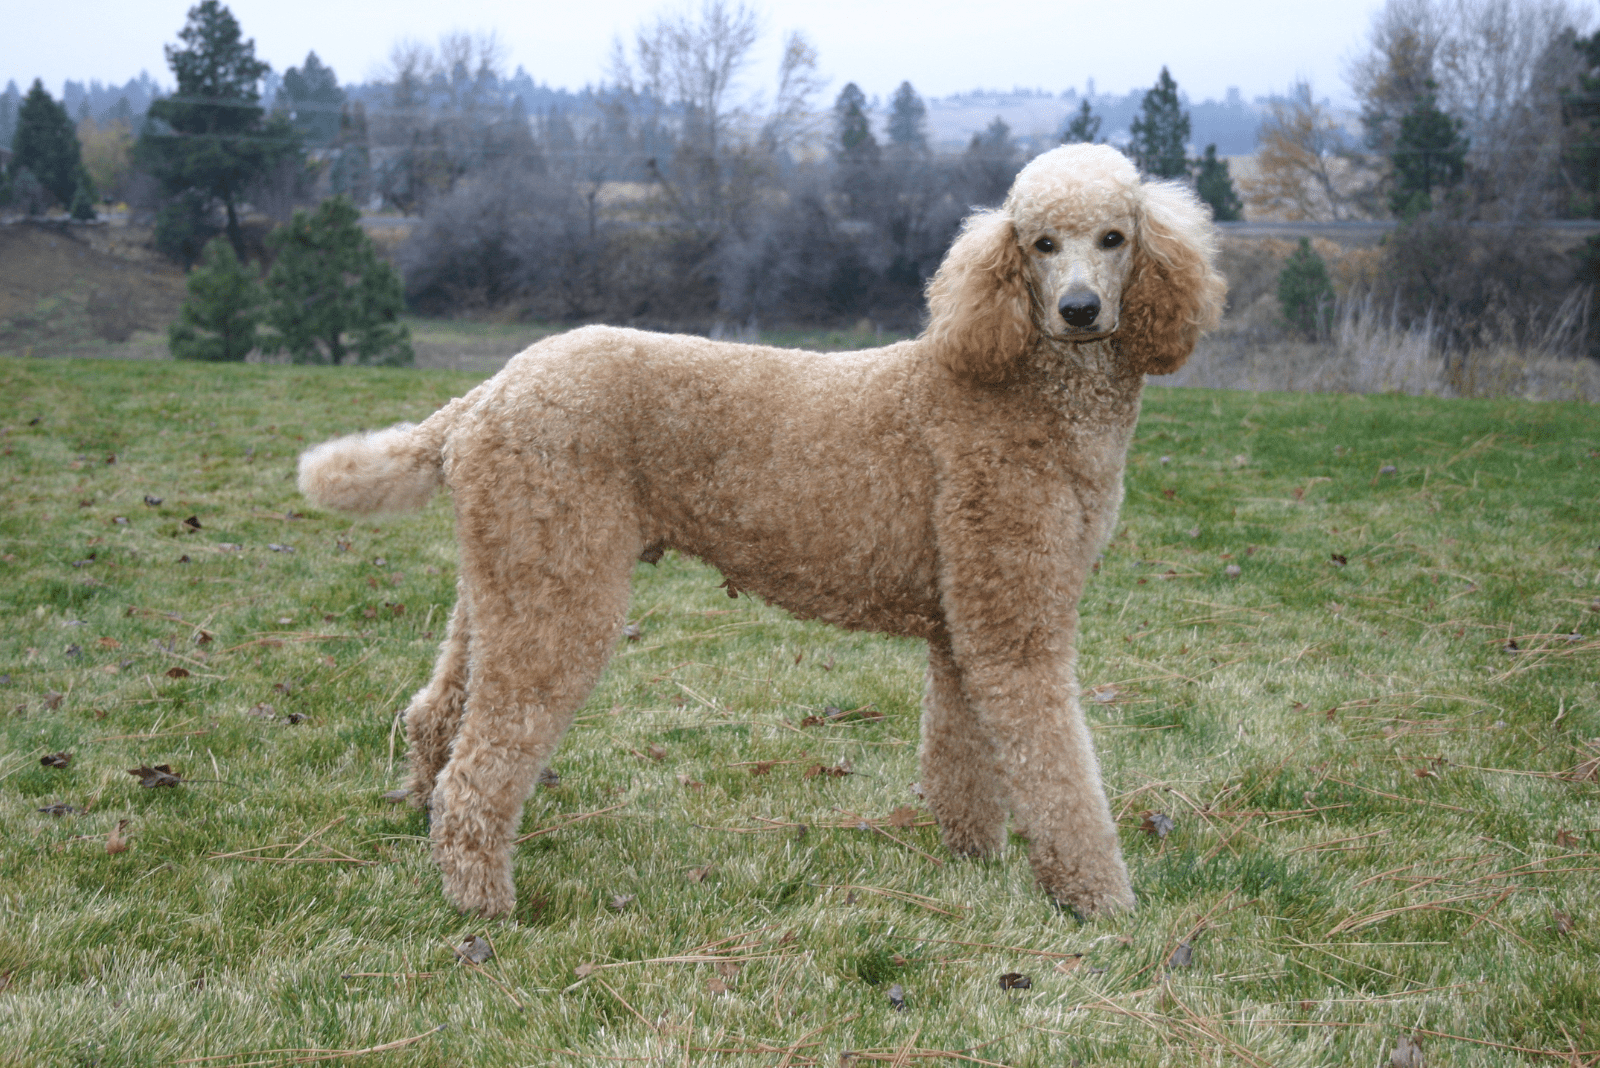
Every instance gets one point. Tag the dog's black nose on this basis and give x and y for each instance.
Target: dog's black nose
(1080, 308)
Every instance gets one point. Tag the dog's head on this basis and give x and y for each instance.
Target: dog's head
(1082, 250)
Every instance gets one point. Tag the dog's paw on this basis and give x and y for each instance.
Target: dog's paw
(478, 886)
(1088, 889)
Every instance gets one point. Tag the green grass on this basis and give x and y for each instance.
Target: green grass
(1378, 828)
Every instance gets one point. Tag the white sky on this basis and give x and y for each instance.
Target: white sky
(941, 46)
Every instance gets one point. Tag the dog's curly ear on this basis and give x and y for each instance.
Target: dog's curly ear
(1174, 293)
(979, 308)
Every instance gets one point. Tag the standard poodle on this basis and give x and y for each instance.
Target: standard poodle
(955, 488)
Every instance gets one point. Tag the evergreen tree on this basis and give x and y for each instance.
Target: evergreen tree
(852, 130)
(219, 320)
(329, 295)
(211, 139)
(1161, 132)
(314, 100)
(1305, 292)
(1430, 153)
(46, 143)
(908, 120)
(352, 169)
(10, 101)
(1215, 186)
(1084, 128)
(991, 163)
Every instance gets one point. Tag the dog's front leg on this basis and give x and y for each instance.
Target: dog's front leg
(960, 776)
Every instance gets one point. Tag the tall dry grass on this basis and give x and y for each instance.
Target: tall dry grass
(1368, 350)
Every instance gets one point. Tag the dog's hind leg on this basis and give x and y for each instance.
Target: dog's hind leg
(434, 713)
(960, 773)
(548, 591)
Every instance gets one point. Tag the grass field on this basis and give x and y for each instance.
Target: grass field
(1343, 657)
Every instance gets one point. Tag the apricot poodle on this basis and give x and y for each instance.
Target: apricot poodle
(955, 488)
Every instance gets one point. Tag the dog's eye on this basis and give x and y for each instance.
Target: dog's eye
(1112, 239)
(1044, 244)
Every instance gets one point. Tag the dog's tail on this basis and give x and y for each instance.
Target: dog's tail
(393, 470)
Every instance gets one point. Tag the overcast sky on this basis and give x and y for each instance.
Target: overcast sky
(941, 46)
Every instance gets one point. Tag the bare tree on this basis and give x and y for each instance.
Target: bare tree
(1303, 169)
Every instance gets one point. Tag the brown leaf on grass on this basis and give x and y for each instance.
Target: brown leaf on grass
(1407, 1053)
(550, 778)
(62, 759)
(761, 767)
(1070, 964)
(733, 591)
(728, 969)
(690, 784)
(262, 710)
(52, 700)
(656, 753)
(902, 817)
(1015, 981)
(295, 717)
(716, 987)
(1565, 839)
(619, 902)
(1588, 771)
(1560, 922)
(632, 632)
(110, 643)
(177, 673)
(475, 948)
(583, 971)
(1157, 824)
(115, 843)
(698, 875)
(192, 523)
(836, 771)
(1339, 559)
(160, 775)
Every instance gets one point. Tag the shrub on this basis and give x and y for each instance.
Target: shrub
(1305, 292)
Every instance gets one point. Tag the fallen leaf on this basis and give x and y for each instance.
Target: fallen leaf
(632, 632)
(280, 548)
(583, 971)
(1158, 824)
(115, 843)
(656, 753)
(1565, 839)
(61, 808)
(1339, 559)
(395, 797)
(690, 783)
(1233, 571)
(160, 775)
(110, 643)
(192, 523)
(621, 901)
(550, 778)
(475, 948)
(262, 710)
(152, 501)
(904, 816)
(295, 717)
(1562, 923)
(733, 591)
(1071, 964)
(57, 760)
(897, 998)
(1015, 981)
(761, 767)
(698, 875)
(716, 987)
(1407, 1053)
(177, 673)
(728, 969)
(52, 700)
(1182, 957)
(836, 771)
(1387, 469)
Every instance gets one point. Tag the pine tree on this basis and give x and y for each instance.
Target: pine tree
(1161, 132)
(314, 100)
(908, 120)
(46, 143)
(1430, 154)
(329, 295)
(1084, 128)
(219, 320)
(1305, 292)
(991, 163)
(1215, 186)
(211, 139)
(852, 130)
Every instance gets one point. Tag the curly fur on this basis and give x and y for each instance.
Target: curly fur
(954, 488)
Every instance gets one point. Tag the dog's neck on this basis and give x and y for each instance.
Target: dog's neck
(1088, 382)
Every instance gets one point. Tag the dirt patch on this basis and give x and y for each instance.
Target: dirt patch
(84, 291)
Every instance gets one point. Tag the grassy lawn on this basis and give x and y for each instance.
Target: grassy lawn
(1343, 653)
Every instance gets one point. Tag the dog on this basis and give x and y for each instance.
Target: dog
(956, 488)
